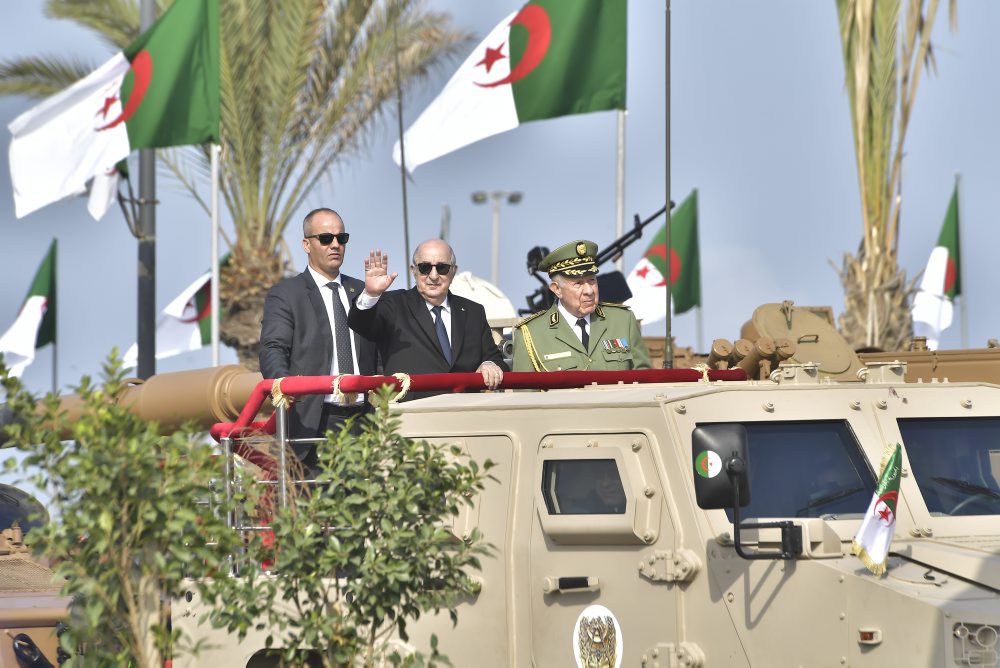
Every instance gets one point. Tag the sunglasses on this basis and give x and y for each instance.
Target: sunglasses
(326, 238)
(443, 268)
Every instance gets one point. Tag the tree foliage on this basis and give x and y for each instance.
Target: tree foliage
(303, 83)
(883, 62)
(363, 551)
(131, 522)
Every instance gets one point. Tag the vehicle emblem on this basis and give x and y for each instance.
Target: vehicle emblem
(597, 639)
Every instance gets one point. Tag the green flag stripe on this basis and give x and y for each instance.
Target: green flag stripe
(949, 239)
(583, 68)
(44, 285)
(181, 103)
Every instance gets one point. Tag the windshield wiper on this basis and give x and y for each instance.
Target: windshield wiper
(965, 486)
(829, 498)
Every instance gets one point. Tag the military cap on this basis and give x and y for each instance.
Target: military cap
(577, 258)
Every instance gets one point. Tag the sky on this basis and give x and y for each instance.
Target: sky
(759, 124)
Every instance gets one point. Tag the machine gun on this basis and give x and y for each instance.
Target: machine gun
(612, 285)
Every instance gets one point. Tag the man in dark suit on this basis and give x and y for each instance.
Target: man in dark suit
(426, 329)
(305, 333)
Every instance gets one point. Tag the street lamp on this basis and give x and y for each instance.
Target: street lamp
(512, 197)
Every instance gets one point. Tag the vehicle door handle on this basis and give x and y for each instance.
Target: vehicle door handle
(552, 584)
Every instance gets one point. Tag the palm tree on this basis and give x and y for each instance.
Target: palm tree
(302, 82)
(881, 86)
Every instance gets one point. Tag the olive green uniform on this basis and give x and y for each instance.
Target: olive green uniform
(546, 342)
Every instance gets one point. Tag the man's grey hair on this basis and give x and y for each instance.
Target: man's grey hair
(451, 251)
(307, 221)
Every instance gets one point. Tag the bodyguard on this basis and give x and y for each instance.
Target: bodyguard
(578, 332)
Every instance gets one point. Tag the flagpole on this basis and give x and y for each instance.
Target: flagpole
(146, 309)
(620, 187)
(963, 312)
(215, 284)
(402, 146)
(668, 344)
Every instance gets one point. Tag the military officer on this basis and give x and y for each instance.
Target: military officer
(578, 332)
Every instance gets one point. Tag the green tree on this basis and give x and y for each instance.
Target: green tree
(368, 549)
(883, 61)
(130, 524)
(302, 83)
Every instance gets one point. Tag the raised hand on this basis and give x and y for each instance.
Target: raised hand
(377, 276)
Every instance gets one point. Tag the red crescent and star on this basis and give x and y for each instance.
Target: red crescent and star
(536, 21)
(142, 67)
(660, 250)
(885, 513)
(949, 274)
(203, 313)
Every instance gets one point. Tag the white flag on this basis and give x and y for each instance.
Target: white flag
(65, 141)
(179, 327)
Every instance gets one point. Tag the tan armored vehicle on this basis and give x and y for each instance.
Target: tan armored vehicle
(618, 541)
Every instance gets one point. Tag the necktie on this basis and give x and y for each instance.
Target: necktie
(442, 333)
(341, 334)
(584, 336)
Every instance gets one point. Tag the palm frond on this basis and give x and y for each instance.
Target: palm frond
(40, 76)
(114, 22)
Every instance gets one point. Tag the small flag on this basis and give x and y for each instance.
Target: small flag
(933, 305)
(184, 325)
(36, 323)
(169, 82)
(551, 58)
(873, 539)
(647, 283)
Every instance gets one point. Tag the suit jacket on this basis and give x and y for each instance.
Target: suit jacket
(296, 340)
(546, 342)
(403, 330)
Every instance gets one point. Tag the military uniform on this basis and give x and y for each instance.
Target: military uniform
(546, 342)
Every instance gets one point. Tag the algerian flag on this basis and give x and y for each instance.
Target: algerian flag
(872, 541)
(36, 323)
(649, 289)
(551, 58)
(184, 325)
(171, 95)
(933, 305)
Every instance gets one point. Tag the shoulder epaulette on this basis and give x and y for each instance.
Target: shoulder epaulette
(627, 308)
(527, 319)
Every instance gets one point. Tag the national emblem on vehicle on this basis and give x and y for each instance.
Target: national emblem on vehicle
(597, 639)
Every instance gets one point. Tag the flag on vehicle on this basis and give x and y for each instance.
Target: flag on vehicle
(184, 325)
(647, 283)
(933, 305)
(35, 325)
(873, 539)
(550, 58)
(169, 81)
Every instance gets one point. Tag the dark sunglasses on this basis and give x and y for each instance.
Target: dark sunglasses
(326, 238)
(443, 268)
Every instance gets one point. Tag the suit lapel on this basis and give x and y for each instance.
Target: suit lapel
(563, 331)
(425, 321)
(459, 316)
(316, 302)
(598, 329)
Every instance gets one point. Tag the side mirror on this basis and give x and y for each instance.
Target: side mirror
(722, 480)
(719, 452)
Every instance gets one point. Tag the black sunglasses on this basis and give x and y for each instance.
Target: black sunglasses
(326, 238)
(443, 268)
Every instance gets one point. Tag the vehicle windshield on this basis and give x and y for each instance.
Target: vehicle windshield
(806, 469)
(955, 462)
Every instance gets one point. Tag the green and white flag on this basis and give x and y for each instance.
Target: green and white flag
(647, 283)
(933, 305)
(551, 58)
(36, 323)
(873, 539)
(169, 82)
(184, 325)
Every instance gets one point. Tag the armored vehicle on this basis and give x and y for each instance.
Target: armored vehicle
(705, 517)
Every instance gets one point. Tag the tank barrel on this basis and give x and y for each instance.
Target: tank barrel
(201, 397)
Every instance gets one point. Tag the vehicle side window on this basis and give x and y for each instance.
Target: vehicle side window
(806, 469)
(956, 463)
(583, 487)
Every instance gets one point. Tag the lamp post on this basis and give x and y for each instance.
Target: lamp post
(512, 197)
